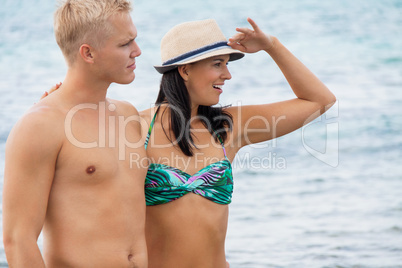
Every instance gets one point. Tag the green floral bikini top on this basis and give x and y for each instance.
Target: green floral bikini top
(165, 183)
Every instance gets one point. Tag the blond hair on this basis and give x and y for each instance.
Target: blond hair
(78, 22)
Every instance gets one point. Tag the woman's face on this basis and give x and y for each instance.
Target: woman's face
(205, 80)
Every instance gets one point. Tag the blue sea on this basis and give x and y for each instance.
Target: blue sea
(327, 195)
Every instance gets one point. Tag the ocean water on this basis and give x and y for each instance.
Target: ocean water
(328, 195)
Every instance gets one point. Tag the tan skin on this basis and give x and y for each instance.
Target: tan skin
(190, 231)
(89, 202)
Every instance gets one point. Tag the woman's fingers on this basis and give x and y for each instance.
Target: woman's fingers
(237, 37)
(52, 89)
(44, 95)
(250, 40)
(55, 87)
(254, 25)
(237, 46)
(245, 30)
(235, 42)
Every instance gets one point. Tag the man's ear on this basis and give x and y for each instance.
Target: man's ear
(86, 53)
(183, 71)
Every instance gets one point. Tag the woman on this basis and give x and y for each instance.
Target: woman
(191, 145)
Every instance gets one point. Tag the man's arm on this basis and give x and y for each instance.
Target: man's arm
(31, 152)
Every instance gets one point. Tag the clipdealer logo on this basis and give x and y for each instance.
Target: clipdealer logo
(102, 140)
(328, 152)
(327, 123)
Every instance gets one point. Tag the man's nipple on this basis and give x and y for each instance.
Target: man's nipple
(90, 169)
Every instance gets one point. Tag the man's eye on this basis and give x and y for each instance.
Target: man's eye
(126, 44)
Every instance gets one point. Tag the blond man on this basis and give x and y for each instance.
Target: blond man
(67, 170)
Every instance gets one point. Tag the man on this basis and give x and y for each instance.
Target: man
(67, 164)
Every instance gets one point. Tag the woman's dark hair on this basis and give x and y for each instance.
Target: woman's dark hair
(174, 93)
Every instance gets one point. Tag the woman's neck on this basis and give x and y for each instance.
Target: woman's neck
(194, 111)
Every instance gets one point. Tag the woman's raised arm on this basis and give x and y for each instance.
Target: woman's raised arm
(313, 97)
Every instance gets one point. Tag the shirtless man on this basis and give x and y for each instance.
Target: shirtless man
(67, 164)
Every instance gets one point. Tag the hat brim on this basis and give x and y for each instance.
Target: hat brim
(234, 55)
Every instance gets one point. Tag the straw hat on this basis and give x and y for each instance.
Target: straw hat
(193, 41)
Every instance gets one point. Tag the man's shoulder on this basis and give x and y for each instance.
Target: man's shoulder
(123, 107)
(41, 125)
(43, 114)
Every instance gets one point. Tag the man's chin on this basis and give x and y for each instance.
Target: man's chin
(127, 80)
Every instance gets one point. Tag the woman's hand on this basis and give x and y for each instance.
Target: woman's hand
(251, 41)
(53, 88)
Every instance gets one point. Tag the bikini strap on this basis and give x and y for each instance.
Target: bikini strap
(221, 141)
(150, 128)
(152, 125)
